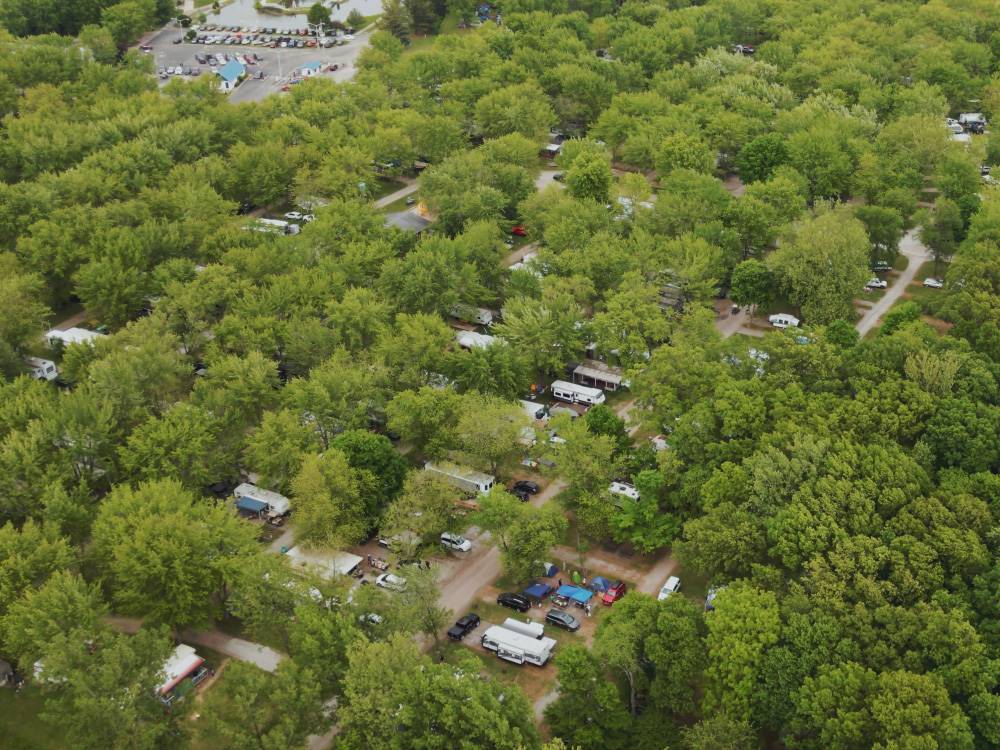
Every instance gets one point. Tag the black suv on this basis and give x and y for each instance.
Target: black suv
(463, 627)
(563, 620)
(526, 485)
(514, 601)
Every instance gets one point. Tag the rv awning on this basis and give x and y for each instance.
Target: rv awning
(575, 593)
(250, 505)
(595, 374)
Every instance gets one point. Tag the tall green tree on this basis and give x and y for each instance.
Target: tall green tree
(328, 501)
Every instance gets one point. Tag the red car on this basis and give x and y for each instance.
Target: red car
(614, 593)
(519, 230)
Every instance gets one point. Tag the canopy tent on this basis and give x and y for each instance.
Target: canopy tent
(581, 596)
(549, 570)
(538, 591)
(250, 505)
(600, 583)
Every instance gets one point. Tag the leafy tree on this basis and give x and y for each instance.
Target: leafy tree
(374, 454)
(588, 711)
(423, 507)
(683, 151)
(752, 284)
(318, 14)
(489, 430)
(521, 108)
(275, 450)
(526, 534)
(546, 331)
(127, 20)
(320, 641)
(944, 230)
(759, 158)
(396, 19)
(899, 316)
(167, 556)
(328, 502)
(443, 705)
(885, 230)
(744, 625)
(22, 312)
(426, 418)
(64, 603)
(825, 265)
(589, 178)
(585, 460)
(602, 420)
(254, 709)
(28, 557)
(419, 604)
(498, 369)
(101, 692)
(183, 444)
(720, 732)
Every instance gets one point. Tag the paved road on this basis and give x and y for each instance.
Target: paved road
(266, 658)
(545, 178)
(401, 193)
(916, 253)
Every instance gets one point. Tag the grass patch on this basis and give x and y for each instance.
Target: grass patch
(20, 725)
(383, 187)
(401, 204)
(449, 25)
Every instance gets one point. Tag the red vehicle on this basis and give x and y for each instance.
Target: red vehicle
(614, 593)
(519, 230)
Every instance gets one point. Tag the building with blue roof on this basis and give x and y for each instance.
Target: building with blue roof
(231, 74)
(311, 69)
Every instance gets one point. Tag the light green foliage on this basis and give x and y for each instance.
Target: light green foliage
(423, 507)
(524, 533)
(328, 501)
(683, 151)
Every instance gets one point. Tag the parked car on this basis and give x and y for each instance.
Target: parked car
(456, 542)
(519, 230)
(563, 620)
(526, 485)
(876, 283)
(614, 593)
(932, 283)
(783, 320)
(391, 582)
(371, 618)
(146, 47)
(672, 586)
(293, 216)
(463, 626)
(514, 601)
(521, 495)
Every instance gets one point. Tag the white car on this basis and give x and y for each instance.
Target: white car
(624, 488)
(293, 216)
(371, 618)
(307, 217)
(672, 586)
(932, 283)
(876, 283)
(456, 542)
(956, 128)
(391, 582)
(348, 37)
(783, 320)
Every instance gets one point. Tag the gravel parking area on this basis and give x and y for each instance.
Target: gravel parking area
(279, 67)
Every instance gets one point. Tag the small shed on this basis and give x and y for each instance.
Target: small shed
(230, 75)
(598, 375)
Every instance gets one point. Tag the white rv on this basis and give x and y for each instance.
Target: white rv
(465, 479)
(576, 394)
(276, 503)
(517, 648)
(273, 226)
(470, 340)
(42, 369)
(531, 628)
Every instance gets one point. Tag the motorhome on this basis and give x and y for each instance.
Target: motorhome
(276, 504)
(465, 479)
(517, 648)
(531, 628)
(42, 369)
(577, 394)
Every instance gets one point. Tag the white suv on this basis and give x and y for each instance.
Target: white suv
(456, 542)
(672, 586)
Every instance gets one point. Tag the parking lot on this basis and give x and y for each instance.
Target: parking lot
(278, 66)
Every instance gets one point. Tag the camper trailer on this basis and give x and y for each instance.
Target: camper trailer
(517, 648)
(277, 505)
(465, 479)
(531, 629)
(577, 394)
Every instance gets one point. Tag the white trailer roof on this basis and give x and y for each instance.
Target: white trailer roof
(73, 336)
(473, 340)
(182, 662)
(325, 564)
(564, 385)
(460, 472)
(517, 640)
(277, 502)
(599, 371)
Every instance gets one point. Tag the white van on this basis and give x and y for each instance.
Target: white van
(517, 648)
(531, 628)
(576, 394)
(783, 320)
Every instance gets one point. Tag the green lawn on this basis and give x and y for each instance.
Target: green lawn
(20, 725)
(383, 187)
(401, 204)
(449, 25)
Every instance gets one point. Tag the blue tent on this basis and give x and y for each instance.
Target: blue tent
(250, 505)
(599, 583)
(581, 596)
(537, 591)
(549, 570)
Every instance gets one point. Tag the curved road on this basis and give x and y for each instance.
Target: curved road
(917, 253)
